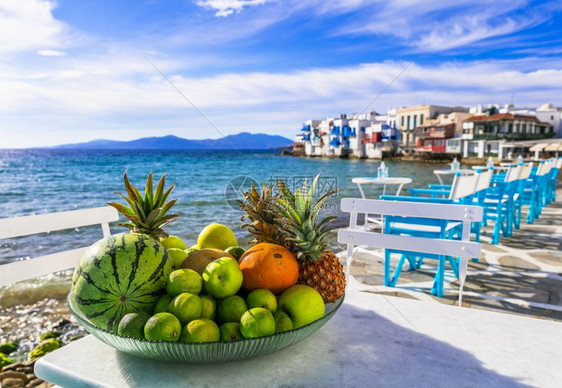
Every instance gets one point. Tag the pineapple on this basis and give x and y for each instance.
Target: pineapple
(291, 220)
(261, 217)
(318, 267)
(147, 215)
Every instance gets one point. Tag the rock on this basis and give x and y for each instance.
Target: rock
(49, 335)
(4, 360)
(44, 348)
(8, 347)
(13, 375)
(38, 383)
(15, 366)
(11, 382)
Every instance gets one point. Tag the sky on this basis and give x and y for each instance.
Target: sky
(74, 71)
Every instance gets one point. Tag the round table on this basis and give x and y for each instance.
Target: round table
(381, 181)
(448, 171)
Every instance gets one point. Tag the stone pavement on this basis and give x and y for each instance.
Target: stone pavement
(521, 275)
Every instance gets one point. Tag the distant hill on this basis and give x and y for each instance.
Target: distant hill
(241, 141)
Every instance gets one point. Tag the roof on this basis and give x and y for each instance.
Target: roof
(506, 116)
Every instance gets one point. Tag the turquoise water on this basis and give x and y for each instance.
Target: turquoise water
(43, 181)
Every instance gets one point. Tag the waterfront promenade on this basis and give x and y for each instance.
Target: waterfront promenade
(521, 275)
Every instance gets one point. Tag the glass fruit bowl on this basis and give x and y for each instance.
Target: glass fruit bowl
(204, 353)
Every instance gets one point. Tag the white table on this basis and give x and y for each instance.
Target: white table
(381, 182)
(371, 341)
(448, 171)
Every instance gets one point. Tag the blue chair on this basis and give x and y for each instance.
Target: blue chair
(499, 203)
(519, 194)
(553, 179)
(461, 193)
(534, 189)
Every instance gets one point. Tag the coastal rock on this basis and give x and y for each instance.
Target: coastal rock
(44, 348)
(4, 360)
(11, 382)
(8, 347)
(13, 375)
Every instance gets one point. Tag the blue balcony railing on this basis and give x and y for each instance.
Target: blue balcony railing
(306, 128)
(336, 130)
(306, 138)
(335, 143)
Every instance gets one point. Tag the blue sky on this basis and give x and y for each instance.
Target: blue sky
(73, 71)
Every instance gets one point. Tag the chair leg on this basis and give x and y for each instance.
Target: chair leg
(398, 270)
(387, 267)
(437, 288)
(454, 265)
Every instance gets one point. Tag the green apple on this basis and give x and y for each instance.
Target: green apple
(172, 242)
(302, 303)
(178, 256)
(216, 236)
(262, 297)
(222, 277)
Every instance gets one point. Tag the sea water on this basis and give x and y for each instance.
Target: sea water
(208, 183)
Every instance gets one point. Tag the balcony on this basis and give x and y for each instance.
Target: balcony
(348, 131)
(306, 128)
(512, 136)
(336, 130)
(372, 138)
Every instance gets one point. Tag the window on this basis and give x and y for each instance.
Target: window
(402, 121)
(415, 121)
(408, 120)
(421, 119)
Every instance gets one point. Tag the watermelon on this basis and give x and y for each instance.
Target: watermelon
(120, 274)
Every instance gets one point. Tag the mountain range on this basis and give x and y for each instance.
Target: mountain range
(240, 141)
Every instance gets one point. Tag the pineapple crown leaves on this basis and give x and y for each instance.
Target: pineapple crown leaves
(299, 215)
(259, 219)
(147, 214)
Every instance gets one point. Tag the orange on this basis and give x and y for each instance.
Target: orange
(269, 266)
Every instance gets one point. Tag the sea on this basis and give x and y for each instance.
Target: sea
(207, 187)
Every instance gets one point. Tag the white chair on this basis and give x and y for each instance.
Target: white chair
(43, 223)
(463, 248)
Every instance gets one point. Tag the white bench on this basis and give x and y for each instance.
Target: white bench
(43, 223)
(463, 248)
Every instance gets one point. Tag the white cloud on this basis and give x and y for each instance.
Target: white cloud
(228, 7)
(28, 25)
(51, 53)
(93, 98)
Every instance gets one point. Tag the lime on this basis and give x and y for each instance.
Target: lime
(172, 242)
(216, 236)
(132, 324)
(303, 304)
(178, 256)
(162, 327)
(257, 322)
(282, 322)
(184, 280)
(230, 331)
(231, 309)
(186, 307)
(262, 297)
(209, 307)
(200, 330)
(235, 251)
(162, 304)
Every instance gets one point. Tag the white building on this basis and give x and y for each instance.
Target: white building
(349, 136)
